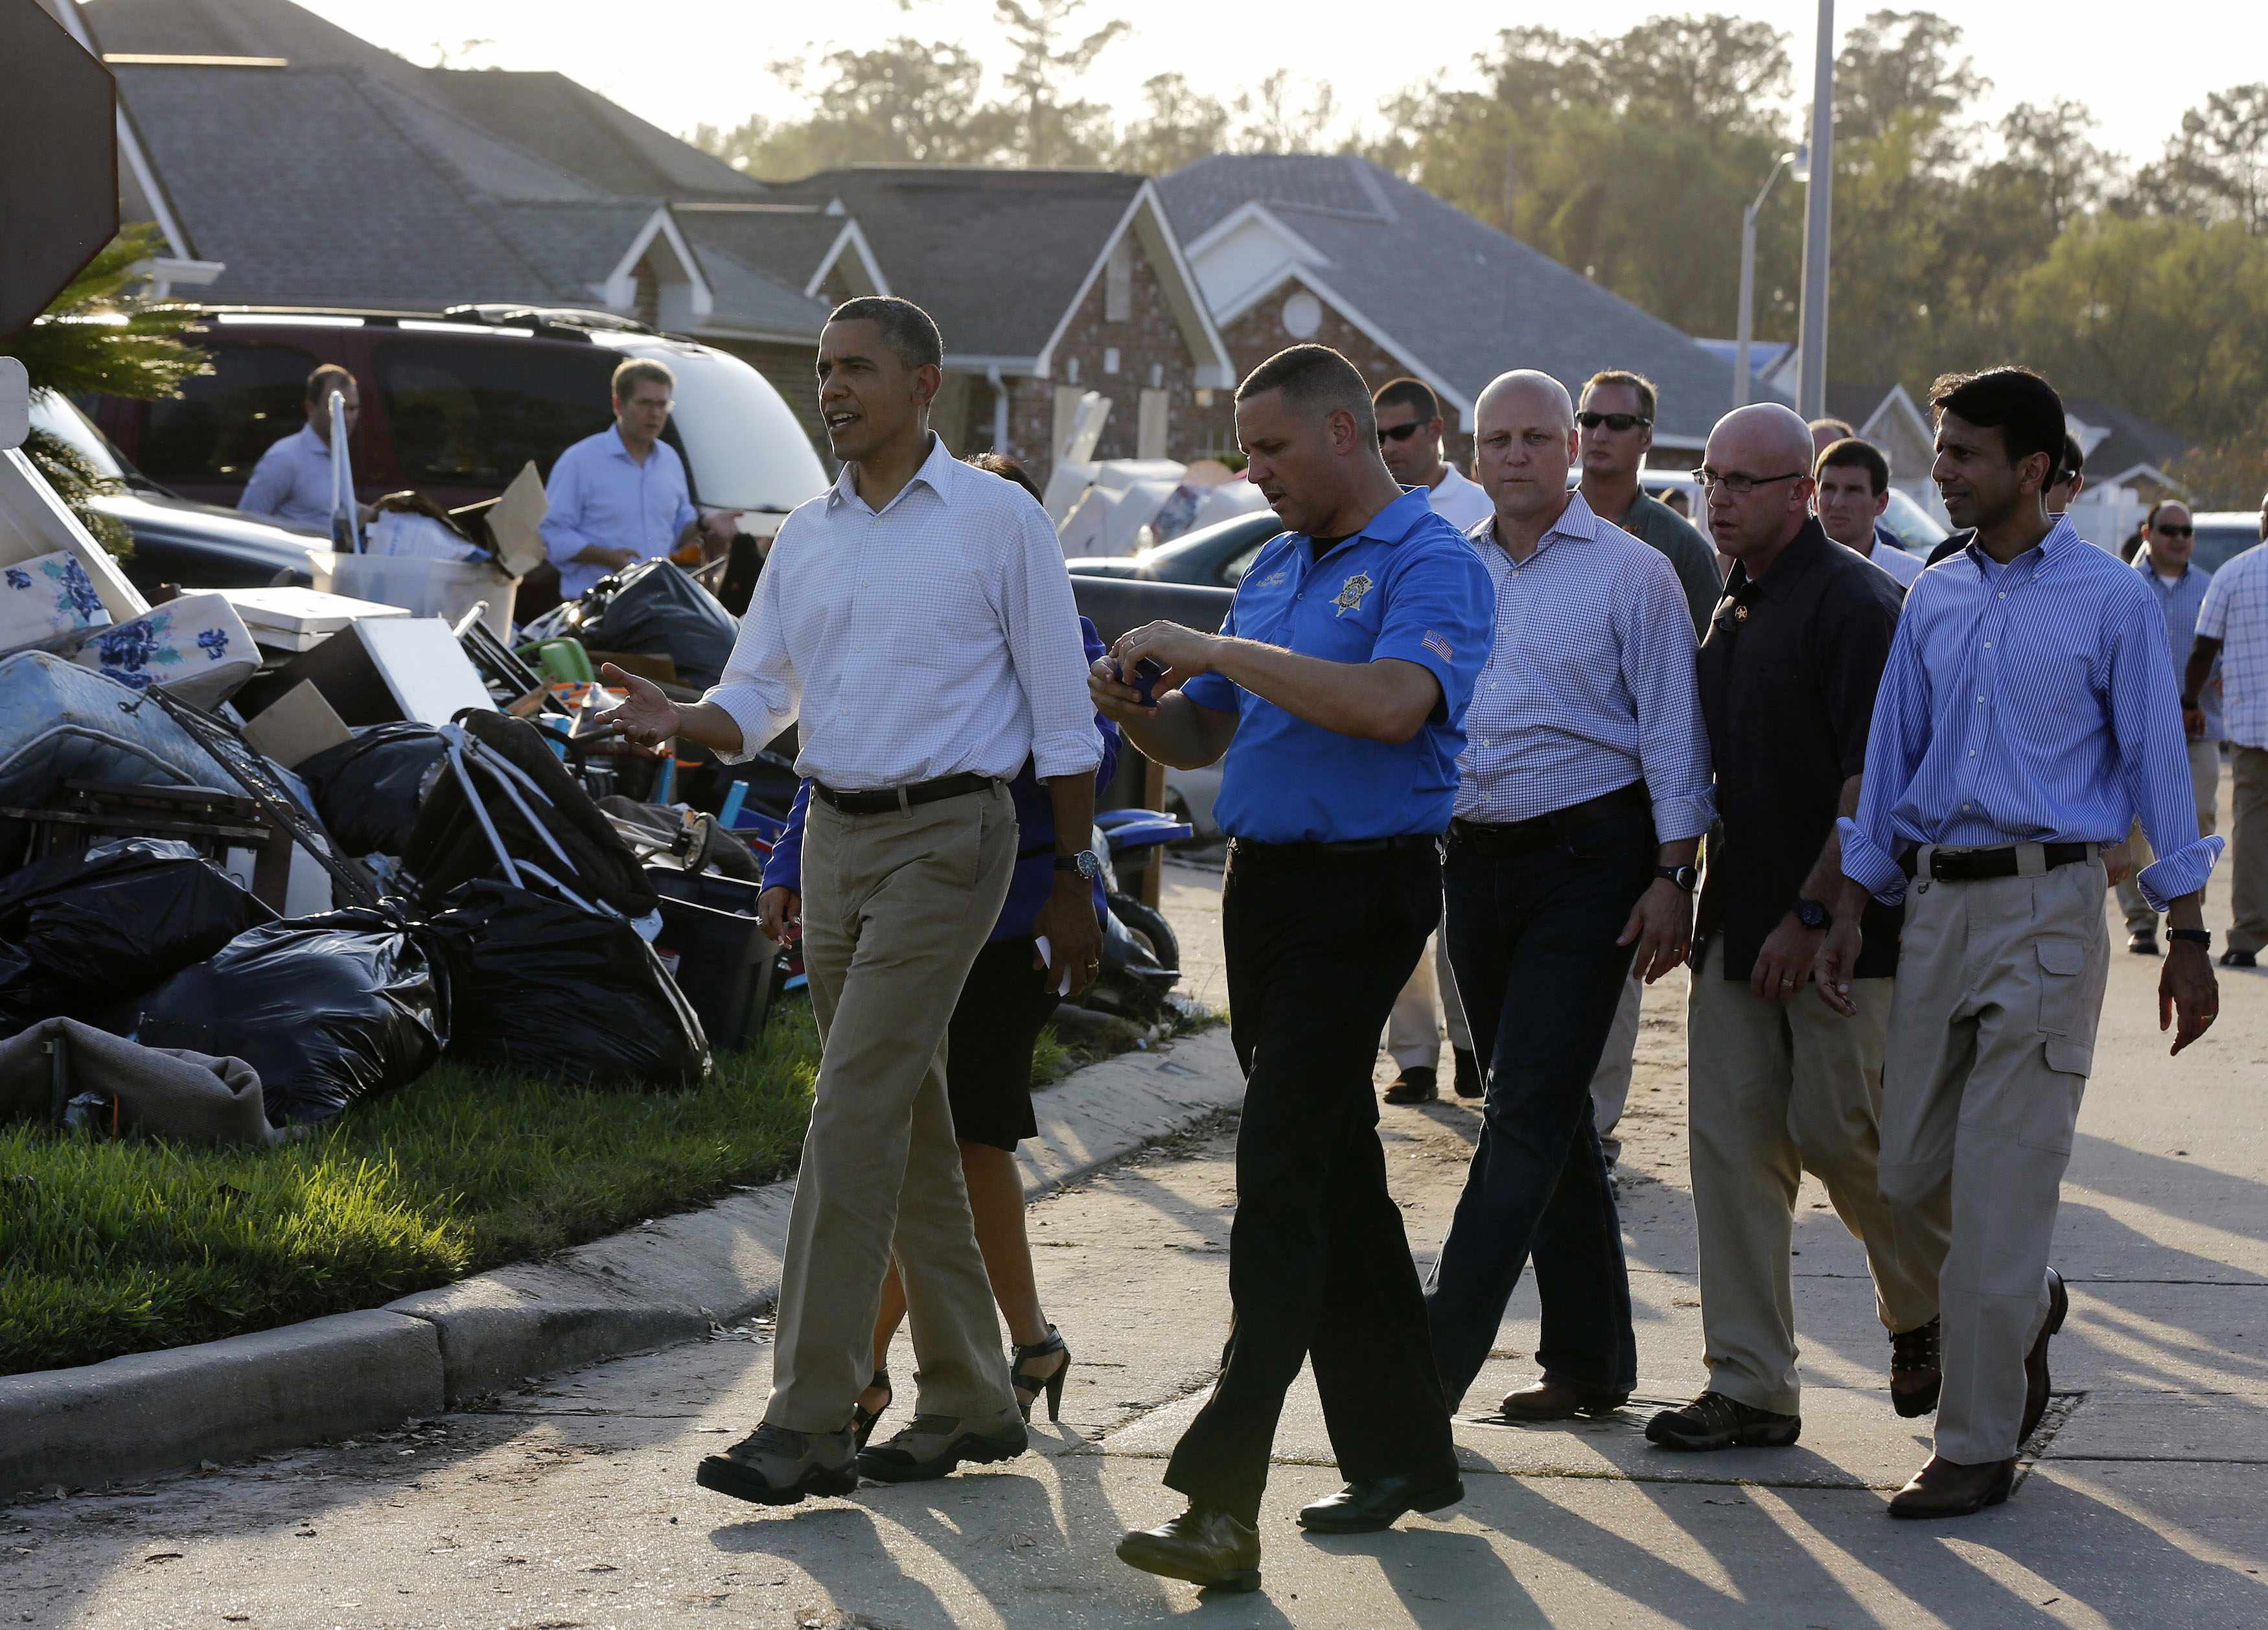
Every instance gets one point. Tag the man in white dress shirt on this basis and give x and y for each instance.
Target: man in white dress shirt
(291, 484)
(1409, 430)
(1854, 491)
(918, 620)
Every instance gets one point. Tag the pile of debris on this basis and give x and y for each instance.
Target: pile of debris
(267, 852)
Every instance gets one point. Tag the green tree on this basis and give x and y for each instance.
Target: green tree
(906, 101)
(1177, 125)
(2217, 167)
(1053, 127)
(98, 339)
(1285, 113)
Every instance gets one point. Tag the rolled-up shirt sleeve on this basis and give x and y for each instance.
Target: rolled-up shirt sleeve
(1217, 691)
(1896, 740)
(1041, 619)
(760, 689)
(2146, 721)
(1655, 630)
(1441, 615)
(563, 537)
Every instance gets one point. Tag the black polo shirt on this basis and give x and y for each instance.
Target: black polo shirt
(1788, 674)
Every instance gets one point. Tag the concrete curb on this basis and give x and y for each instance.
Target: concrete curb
(660, 1283)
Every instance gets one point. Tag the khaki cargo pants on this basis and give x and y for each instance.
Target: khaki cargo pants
(1991, 1039)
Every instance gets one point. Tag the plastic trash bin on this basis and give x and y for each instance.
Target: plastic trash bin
(717, 950)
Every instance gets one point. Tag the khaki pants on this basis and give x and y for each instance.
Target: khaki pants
(895, 907)
(2248, 930)
(2205, 781)
(1413, 1030)
(1991, 1040)
(1780, 1088)
(1610, 1083)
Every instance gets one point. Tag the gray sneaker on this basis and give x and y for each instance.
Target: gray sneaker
(774, 1466)
(931, 1446)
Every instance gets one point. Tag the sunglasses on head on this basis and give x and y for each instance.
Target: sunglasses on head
(1399, 432)
(1615, 422)
(2173, 531)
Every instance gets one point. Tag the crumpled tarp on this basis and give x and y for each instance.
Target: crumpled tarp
(164, 1092)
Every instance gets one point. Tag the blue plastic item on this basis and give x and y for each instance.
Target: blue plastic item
(1146, 834)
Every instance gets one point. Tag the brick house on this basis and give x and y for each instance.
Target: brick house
(1046, 284)
(1332, 248)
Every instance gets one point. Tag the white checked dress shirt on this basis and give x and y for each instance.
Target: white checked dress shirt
(1590, 685)
(937, 636)
(2236, 613)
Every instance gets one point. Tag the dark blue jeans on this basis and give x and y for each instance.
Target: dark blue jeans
(1532, 943)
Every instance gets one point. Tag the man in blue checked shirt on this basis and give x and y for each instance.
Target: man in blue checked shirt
(1336, 690)
(1582, 794)
(2027, 715)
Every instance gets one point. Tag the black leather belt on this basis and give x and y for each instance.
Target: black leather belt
(1246, 848)
(1977, 865)
(886, 798)
(1544, 831)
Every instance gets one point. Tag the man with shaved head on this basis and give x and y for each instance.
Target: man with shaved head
(1779, 1086)
(1582, 795)
(1335, 693)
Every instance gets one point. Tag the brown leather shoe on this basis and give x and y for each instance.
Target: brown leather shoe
(1560, 1400)
(2036, 1361)
(1208, 1548)
(1947, 1488)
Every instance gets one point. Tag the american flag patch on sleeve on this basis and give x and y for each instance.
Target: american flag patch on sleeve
(1438, 646)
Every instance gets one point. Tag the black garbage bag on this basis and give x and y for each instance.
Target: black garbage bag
(329, 1010)
(546, 988)
(81, 933)
(657, 607)
(366, 790)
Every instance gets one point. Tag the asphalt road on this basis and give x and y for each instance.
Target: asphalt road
(572, 1503)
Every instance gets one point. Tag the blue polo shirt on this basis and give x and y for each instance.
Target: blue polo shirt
(1407, 586)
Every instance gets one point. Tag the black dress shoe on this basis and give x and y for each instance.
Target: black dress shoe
(1414, 1085)
(2239, 959)
(1916, 1363)
(1715, 1421)
(1469, 1084)
(2142, 944)
(2036, 1361)
(1947, 1488)
(1560, 1400)
(1210, 1548)
(1366, 1508)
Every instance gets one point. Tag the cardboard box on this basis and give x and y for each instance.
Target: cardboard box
(514, 522)
(297, 727)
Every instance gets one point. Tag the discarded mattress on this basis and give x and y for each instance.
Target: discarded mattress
(196, 647)
(49, 602)
(59, 722)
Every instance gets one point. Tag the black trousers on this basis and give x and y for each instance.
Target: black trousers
(1319, 1268)
(1532, 943)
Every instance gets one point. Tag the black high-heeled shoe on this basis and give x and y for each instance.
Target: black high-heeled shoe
(862, 1419)
(1028, 1388)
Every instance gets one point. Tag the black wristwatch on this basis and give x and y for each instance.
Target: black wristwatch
(1811, 914)
(2191, 936)
(1683, 876)
(1086, 863)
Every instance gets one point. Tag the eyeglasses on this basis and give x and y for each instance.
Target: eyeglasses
(1615, 422)
(1740, 486)
(2175, 532)
(1399, 432)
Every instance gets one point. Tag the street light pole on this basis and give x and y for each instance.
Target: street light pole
(1741, 377)
(1811, 391)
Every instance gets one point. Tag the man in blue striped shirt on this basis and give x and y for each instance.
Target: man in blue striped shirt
(2027, 715)
(1583, 792)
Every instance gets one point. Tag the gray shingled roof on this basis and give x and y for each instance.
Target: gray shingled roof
(1465, 299)
(994, 255)
(2133, 440)
(785, 240)
(584, 134)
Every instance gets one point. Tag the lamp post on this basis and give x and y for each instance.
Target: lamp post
(1742, 378)
(1811, 394)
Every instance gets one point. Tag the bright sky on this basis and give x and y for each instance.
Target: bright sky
(681, 63)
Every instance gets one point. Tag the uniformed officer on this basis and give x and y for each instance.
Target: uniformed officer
(1334, 690)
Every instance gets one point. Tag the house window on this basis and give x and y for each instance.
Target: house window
(1303, 314)
(1156, 374)
(1118, 282)
(1110, 359)
(1070, 372)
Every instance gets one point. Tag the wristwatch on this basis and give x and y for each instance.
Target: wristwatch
(1811, 914)
(2191, 936)
(1086, 863)
(1683, 876)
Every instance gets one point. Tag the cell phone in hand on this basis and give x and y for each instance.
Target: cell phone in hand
(1147, 673)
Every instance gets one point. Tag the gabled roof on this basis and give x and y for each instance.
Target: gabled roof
(2129, 443)
(997, 256)
(796, 243)
(1458, 299)
(583, 133)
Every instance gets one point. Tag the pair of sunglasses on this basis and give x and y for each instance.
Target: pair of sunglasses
(2175, 532)
(1615, 422)
(1400, 433)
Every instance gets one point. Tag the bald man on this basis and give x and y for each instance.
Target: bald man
(1778, 1085)
(1583, 792)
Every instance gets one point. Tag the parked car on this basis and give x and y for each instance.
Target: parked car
(2222, 535)
(1214, 556)
(177, 539)
(455, 405)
